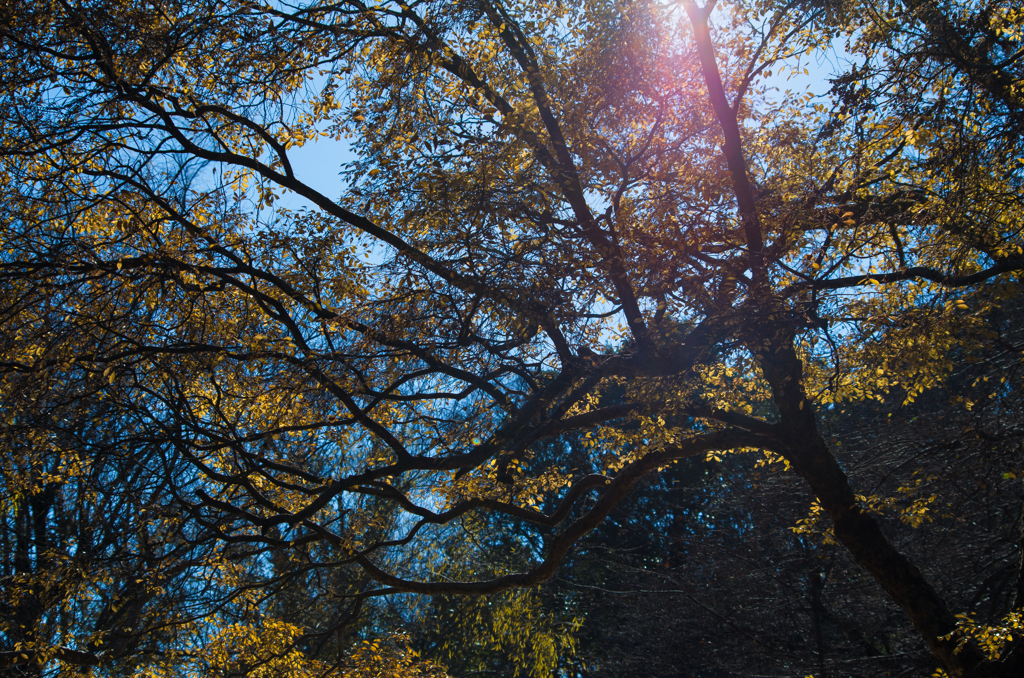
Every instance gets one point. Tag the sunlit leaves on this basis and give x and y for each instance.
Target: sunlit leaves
(562, 219)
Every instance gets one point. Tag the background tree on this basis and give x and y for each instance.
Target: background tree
(580, 218)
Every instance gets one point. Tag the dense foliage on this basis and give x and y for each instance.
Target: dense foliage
(583, 248)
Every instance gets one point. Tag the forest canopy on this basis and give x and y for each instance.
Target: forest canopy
(583, 250)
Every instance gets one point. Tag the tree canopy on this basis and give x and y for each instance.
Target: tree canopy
(581, 245)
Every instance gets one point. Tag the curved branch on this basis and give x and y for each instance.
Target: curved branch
(616, 491)
(917, 272)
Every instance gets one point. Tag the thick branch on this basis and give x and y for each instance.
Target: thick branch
(65, 654)
(733, 143)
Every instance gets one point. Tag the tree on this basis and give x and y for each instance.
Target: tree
(586, 218)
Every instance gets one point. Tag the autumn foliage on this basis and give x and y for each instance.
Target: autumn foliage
(247, 424)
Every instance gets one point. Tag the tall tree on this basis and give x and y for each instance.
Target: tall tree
(577, 217)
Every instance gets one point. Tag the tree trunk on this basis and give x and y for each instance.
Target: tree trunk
(857, 530)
